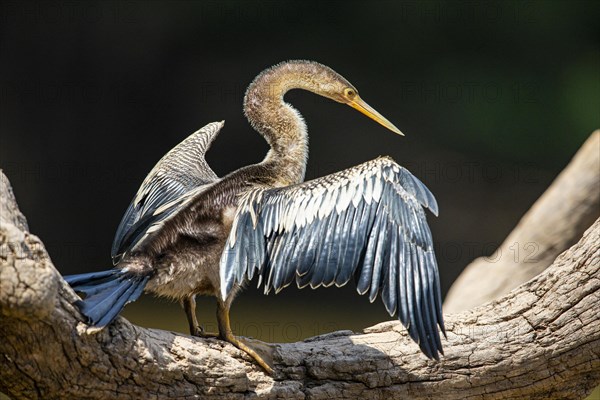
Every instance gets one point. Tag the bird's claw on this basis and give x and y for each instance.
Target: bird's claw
(199, 332)
(260, 351)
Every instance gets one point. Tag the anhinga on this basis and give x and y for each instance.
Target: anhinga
(188, 232)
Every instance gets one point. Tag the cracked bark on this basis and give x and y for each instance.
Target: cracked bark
(539, 341)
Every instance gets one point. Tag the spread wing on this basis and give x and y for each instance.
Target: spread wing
(367, 222)
(177, 177)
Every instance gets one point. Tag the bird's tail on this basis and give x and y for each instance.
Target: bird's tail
(106, 293)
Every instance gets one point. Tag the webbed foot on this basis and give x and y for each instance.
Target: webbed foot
(260, 351)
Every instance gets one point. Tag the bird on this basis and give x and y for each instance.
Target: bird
(188, 232)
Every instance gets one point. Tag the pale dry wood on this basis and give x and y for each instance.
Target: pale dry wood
(541, 341)
(553, 224)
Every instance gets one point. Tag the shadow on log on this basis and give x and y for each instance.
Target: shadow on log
(540, 341)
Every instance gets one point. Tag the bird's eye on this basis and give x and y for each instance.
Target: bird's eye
(349, 93)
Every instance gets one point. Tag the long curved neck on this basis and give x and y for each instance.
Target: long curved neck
(278, 122)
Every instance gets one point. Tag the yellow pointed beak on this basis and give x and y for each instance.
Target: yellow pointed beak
(360, 105)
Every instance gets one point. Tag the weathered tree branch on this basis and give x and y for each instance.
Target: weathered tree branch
(541, 340)
(553, 224)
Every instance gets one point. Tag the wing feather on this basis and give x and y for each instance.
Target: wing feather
(414, 326)
(420, 331)
(308, 258)
(390, 289)
(347, 247)
(404, 299)
(427, 321)
(334, 254)
(379, 259)
(182, 172)
(367, 222)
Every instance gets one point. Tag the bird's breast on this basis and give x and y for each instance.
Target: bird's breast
(189, 263)
(183, 272)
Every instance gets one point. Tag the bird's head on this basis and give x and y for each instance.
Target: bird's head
(326, 82)
(272, 84)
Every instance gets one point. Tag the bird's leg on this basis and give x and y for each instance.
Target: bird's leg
(189, 305)
(225, 333)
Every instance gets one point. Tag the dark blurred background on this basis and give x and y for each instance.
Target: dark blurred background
(494, 99)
